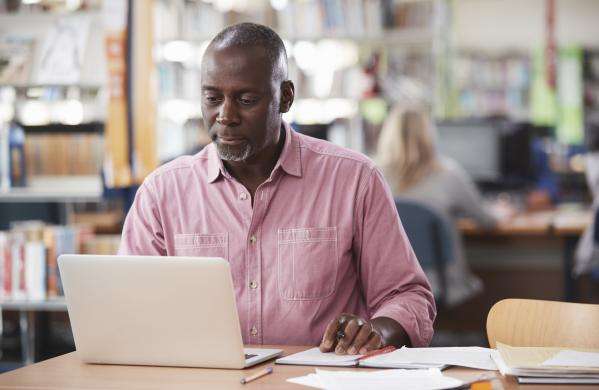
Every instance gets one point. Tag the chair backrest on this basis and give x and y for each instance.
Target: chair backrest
(536, 323)
(430, 236)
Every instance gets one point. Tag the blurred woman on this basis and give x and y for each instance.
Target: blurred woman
(413, 168)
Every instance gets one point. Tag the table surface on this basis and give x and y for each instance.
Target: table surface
(539, 223)
(68, 372)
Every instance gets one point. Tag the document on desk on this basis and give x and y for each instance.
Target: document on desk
(471, 357)
(313, 357)
(531, 362)
(408, 358)
(570, 358)
(426, 379)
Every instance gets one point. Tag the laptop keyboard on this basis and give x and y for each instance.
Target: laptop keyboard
(249, 356)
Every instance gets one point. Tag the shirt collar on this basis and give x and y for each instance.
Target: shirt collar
(289, 160)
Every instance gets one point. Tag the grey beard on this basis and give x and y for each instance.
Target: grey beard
(227, 153)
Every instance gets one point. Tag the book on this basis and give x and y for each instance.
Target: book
(5, 266)
(405, 358)
(35, 270)
(17, 257)
(534, 364)
(555, 381)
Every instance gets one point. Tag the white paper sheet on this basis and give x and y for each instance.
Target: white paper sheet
(472, 357)
(430, 379)
(311, 380)
(569, 358)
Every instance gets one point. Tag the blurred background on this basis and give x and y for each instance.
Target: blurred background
(482, 114)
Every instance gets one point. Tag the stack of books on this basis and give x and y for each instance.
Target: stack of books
(548, 364)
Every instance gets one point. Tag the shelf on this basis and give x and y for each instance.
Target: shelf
(59, 189)
(87, 128)
(27, 86)
(51, 304)
(414, 36)
(408, 36)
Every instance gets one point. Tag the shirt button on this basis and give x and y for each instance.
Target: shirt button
(243, 196)
(253, 331)
(253, 285)
(253, 239)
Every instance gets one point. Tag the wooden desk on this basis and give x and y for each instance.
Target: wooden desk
(564, 225)
(67, 372)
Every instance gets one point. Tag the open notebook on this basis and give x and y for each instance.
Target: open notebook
(473, 357)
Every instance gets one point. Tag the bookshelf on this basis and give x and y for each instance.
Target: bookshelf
(62, 117)
(59, 189)
(331, 46)
(492, 84)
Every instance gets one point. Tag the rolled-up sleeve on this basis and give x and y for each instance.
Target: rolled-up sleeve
(142, 231)
(392, 280)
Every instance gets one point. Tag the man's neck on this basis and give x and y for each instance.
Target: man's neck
(256, 170)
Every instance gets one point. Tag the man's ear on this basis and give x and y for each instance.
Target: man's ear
(287, 96)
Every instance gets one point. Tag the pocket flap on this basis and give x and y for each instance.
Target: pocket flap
(307, 235)
(195, 240)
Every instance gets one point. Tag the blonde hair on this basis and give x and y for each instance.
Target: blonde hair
(406, 148)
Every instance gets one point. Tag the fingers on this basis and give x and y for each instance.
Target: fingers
(375, 342)
(329, 338)
(349, 334)
(351, 330)
(361, 339)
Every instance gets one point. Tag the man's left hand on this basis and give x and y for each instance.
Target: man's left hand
(350, 334)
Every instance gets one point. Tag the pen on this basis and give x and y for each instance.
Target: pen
(387, 349)
(340, 332)
(259, 374)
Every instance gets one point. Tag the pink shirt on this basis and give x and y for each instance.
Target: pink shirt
(323, 237)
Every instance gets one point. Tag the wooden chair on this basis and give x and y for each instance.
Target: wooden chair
(535, 323)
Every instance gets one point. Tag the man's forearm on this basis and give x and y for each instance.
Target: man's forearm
(392, 333)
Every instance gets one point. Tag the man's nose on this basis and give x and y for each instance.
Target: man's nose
(228, 115)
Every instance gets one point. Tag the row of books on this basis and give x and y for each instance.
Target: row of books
(354, 18)
(63, 154)
(512, 103)
(486, 72)
(492, 85)
(186, 19)
(47, 155)
(193, 20)
(29, 253)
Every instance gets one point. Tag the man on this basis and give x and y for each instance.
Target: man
(316, 248)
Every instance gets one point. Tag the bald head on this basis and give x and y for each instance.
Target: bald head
(252, 35)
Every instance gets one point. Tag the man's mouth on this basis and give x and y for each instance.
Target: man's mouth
(230, 140)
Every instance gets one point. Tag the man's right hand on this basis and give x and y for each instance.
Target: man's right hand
(350, 334)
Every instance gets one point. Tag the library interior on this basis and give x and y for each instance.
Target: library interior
(479, 118)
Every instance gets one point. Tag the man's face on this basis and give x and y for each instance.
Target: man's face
(240, 102)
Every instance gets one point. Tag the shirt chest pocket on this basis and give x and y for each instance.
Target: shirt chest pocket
(202, 245)
(307, 263)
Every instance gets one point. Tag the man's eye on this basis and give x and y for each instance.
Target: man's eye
(212, 99)
(247, 102)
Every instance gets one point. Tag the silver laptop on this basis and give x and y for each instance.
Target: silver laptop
(163, 311)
